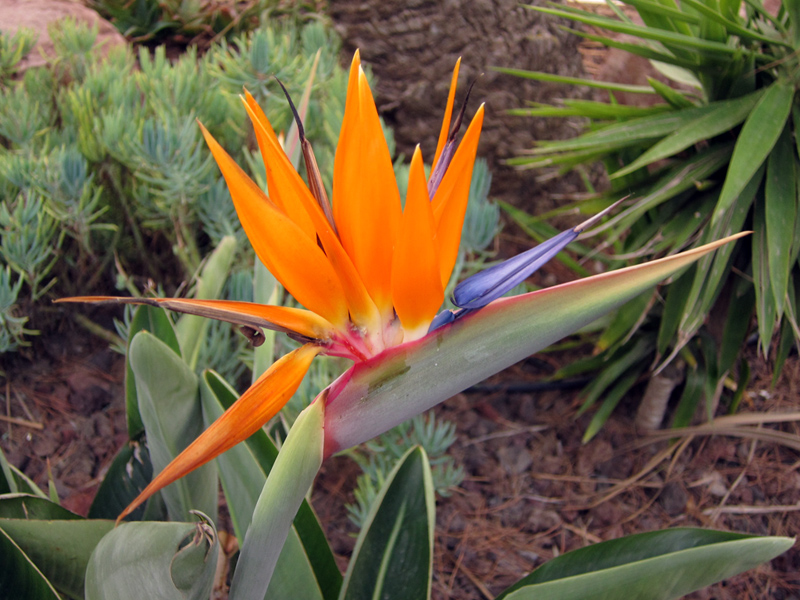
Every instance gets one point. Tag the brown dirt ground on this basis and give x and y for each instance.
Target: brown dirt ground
(532, 490)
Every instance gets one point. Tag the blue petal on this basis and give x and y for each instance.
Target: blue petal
(489, 285)
(482, 288)
(442, 319)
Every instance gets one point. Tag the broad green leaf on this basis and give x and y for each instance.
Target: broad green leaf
(756, 139)
(170, 407)
(287, 484)
(128, 474)
(780, 215)
(191, 328)
(409, 379)
(26, 506)
(603, 85)
(660, 565)
(19, 577)
(726, 115)
(168, 561)
(393, 557)
(60, 549)
(156, 321)
(306, 555)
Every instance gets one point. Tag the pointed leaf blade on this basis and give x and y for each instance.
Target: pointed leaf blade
(393, 557)
(659, 565)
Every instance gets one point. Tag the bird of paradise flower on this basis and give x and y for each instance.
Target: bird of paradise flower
(371, 275)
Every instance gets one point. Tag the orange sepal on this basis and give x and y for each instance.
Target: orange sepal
(448, 113)
(277, 318)
(254, 408)
(417, 290)
(277, 190)
(290, 255)
(366, 201)
(450, 202)
(285, 181)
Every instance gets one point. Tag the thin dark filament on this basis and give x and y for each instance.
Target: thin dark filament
(312, 170)
(449, 149)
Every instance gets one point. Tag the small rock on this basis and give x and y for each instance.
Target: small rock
(673, 498)
(716, 484)
(514, 459)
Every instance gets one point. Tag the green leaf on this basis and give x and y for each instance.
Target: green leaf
(191, 328)
(60, 549)
(393, 557)
(168, 561)
(25, 506)
(622, 361)
(287, 484)
(19, 577)
(725, 115)
(603, 85)
(737, 323)
(317, 551)
(691, 65)
(690, 398)
(672, 96)
(629, 133)
(156, 321)
(712, 271)
(128, 474)
(655, 566)
(668, 38)
(674, 308)
(170, 407)
(14, 481)
(780, 214)
(622, 386)
(626, 321)
(756, 140)
(409, 379)
(765, 302)
(684, 176)
(732, 27)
